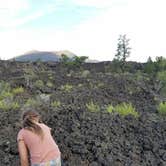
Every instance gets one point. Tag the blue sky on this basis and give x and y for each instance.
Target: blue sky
(45, 13)
(89, 28)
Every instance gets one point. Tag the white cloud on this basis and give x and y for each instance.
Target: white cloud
(14, 5)
(11, 12)
(25, 19)
(17, 42)
(93, 3)
(100, 3)
(9, 9)
(142, 21)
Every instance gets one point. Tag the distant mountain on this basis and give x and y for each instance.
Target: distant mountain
(92, 61)
(43, 56)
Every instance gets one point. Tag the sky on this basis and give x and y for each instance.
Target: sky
(85, 27)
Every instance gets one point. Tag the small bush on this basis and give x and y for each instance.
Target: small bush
(66, 88)
(161, 76)
(110, 108)
(162, 108)
(39, 84)
(75, 61)
(43, 98)
(56, 104)
(5, 94)
(18, 90)
(8, 106)
(92, 107)
(14, 106)
(125, 109)
(31, 103)
(4, 86)
(49, 84)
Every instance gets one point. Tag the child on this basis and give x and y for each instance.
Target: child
(35, 139)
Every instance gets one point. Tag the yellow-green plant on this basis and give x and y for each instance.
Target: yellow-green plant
(161, 76)
(8, 106)
(92, 107)
(39, 84)
(4, 86)
(17, 90)
(110, 108)
(49, 84)
(125, 109)
(56, 104)
(5, 94)
(66, 88)
(31, 103)
(162, 108)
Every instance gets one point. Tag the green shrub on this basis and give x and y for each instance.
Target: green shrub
(18, 90)
(149, 66)
(125, 109)
(110, 108)
(160, 63)
(5, 94)
(8, 106)
(39, 84)
(66, 88)
(64, 59)
(4, 86)
(56, 104)
(161, 76)
(162, 108)
(49, 84)
(32, 103)
(29, 75)
(92, 107)
(42, 98)
(75, 61)
(14, 106)
(80, 60)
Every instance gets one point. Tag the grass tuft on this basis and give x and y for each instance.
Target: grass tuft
(56, 104)
(125, 109)
(162, 108)
(92, 107)
(110, 108)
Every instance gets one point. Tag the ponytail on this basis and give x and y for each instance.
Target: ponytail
(29, 124)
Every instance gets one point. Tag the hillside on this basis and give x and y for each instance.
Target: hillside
(43, 56)
(74, 101)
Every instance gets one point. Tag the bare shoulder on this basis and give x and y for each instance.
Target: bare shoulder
(20, 131)
(45, 125)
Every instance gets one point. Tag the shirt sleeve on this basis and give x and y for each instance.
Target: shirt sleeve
(20, 136)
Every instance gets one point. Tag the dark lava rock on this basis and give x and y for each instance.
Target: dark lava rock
(88, 138)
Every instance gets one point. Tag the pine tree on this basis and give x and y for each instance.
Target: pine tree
(123, 51)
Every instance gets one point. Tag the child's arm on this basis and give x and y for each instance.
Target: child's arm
(23, 153)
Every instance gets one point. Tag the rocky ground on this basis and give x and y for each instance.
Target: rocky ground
(86, 138)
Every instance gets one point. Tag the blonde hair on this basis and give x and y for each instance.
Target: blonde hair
(29, 124)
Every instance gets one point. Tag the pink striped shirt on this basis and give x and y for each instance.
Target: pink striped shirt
(40, 150)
